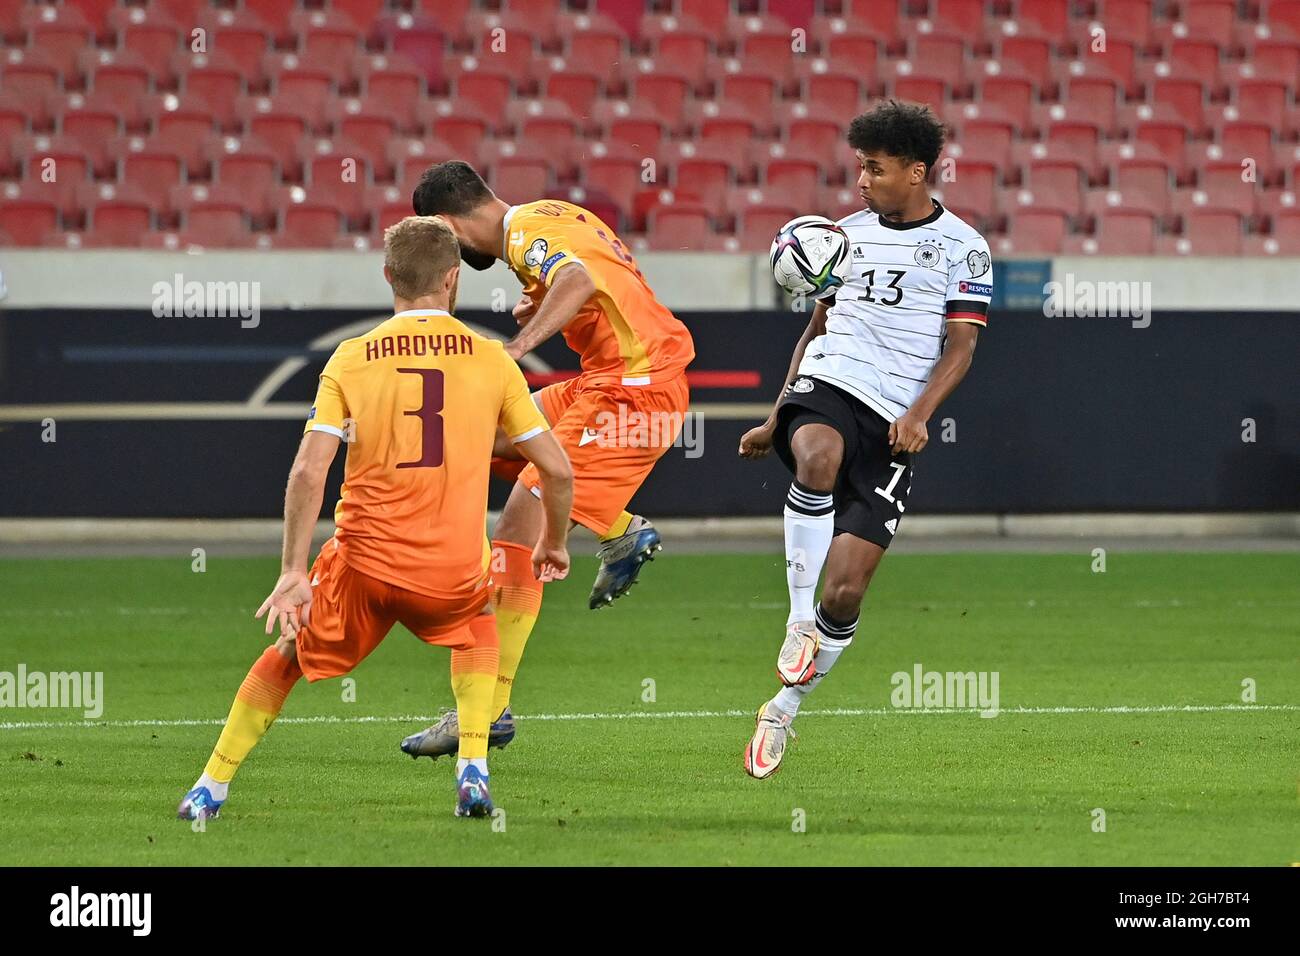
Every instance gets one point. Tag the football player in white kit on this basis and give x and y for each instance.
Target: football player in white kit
(876, 361)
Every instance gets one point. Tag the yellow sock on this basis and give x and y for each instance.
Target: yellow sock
(618, 528)
(256, 706)
(518, 596)
(473, 680)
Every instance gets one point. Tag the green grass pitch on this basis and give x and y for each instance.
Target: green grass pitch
(1210, 786)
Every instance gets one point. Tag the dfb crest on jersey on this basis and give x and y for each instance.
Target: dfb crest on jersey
(978, 263)
(927, 254)
(536, 253)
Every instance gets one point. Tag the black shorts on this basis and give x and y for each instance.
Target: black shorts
(872, 485)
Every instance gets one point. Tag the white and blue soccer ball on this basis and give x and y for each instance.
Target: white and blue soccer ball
(808, 256)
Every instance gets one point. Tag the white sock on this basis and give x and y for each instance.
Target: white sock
(809, 527)
(479, 763)
(834, 639)
(215, 787)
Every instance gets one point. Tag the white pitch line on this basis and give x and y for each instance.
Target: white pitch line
(674, 715)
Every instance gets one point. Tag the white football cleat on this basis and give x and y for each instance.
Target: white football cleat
(795, 664)
(764, 751)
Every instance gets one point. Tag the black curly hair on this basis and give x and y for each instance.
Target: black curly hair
(909, 131)
(453, 188)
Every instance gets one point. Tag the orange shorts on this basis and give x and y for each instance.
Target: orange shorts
(352, 612)
(613, 435)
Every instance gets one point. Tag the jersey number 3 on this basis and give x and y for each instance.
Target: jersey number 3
(430, 419)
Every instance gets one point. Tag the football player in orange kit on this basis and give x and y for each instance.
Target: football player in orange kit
(419, 399)
(615, 419)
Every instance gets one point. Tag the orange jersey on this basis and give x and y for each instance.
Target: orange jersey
(624, 333)
(418, 400)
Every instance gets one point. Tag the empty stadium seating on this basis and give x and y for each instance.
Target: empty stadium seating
(690, 123)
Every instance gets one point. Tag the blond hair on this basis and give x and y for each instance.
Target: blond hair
(418, 253)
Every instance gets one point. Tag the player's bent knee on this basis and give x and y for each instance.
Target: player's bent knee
(842, 599)
(817, 468)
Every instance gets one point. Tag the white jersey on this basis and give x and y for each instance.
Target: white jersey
(904, 283)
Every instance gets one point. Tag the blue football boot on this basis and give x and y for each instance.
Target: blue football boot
(621, 560)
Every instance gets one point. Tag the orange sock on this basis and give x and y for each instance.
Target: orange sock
(473, 680)
(256, 706)
(517, 596)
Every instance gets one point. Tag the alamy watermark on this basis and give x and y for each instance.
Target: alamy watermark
(946, 690)
(1087, 299)
(193, 299)
(630, 428)
(81, 690)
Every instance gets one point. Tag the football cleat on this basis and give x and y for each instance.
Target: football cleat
(621, 560)
(199, 803)
(796, 664)
(443, 738)
(765, 749)
(472, 796)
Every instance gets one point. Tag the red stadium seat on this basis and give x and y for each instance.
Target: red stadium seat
(769, 53)
(938, 56)
(1214, 233)
(758, 224)
(1124, 232)
(920, 89)
(1286, 229)
(249, 167)
(31, 73)
(795, 180)
(813, 137)
(1035, 231)
(679, 227)
(296, 79)
(411, 157)
(90, 120)
(795, 13)
(1285, 13)
(683, 53)
(1185, 96)
(1099, 201)
(488, 92)
(336, 172)
(1051, 17)
(386, 206)
(211, 215)
(596, 44)
(117, 214)
(853, 54)
(392, 78)
(466, 132)
(545, 124)
(622, 126)
(707, 178)
(1148, 179)
(238, 38)
(371, 123)
(307, 222)
(95, 12)
(964, 17)
(618, 175)
(1264, 101)
(1028, 54)
(520, 180)
(664, 93)
(509, 50)
(880, 20)
(418, 39)
(841, 92)
(144, 164)
(274, 122)
(986, 141)
(1014, 94)
(575, 86)
(60, 33)
(725, 125)
(974, 188)
(151, 34)
(215, 78)
(29, 214)
(327, 37)
(59, 163)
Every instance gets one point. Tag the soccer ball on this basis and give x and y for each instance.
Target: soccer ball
(808, 255)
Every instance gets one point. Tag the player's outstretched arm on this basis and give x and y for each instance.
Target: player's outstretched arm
(551, 555)
(568, 293)
(757, 442)
(289, 603)
(908, 431)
